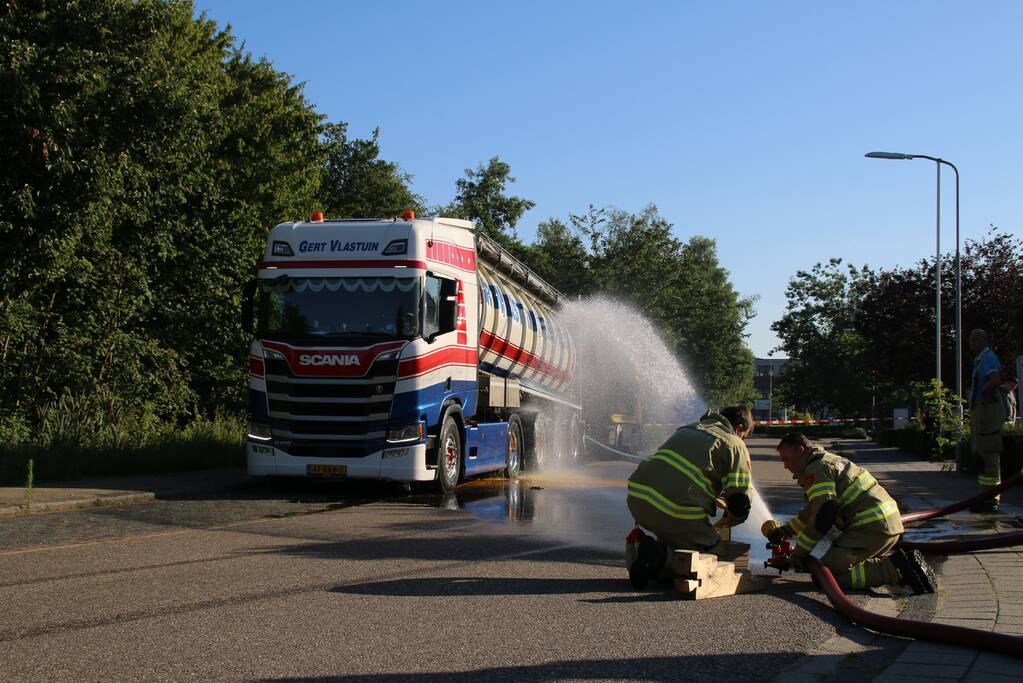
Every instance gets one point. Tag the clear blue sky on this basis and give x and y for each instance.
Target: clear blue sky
(742, 121)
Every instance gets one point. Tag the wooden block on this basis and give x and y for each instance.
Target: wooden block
(689, 562)
(716, 586)
(699, 575)
(734, 551)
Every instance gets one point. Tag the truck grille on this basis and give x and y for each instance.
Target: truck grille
(329, 417)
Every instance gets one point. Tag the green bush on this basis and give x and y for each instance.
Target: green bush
(201, 444)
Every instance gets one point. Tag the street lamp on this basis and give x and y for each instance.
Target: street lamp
(937, 279)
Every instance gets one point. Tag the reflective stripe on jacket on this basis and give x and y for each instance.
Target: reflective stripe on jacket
(861, 499)
(698, 464)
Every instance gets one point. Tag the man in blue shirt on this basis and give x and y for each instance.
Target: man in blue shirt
(986, 417)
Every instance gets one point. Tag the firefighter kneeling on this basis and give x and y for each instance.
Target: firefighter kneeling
(674, 491)
(841, 494)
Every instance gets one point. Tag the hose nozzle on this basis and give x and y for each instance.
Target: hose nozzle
(769, 527)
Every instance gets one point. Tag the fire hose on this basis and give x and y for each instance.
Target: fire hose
(962, 505)
(909, 628)
(962, 636)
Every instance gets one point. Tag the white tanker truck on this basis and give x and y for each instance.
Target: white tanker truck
(411, 350)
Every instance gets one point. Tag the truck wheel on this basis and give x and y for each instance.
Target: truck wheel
(513, 460)
(574, 448)
(449, 455)
(539, 445)
(560, 447)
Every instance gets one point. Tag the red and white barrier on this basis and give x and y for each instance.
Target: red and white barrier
(825, 421)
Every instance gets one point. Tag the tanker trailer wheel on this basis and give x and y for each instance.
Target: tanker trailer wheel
(449, 455)
(539, 444)
(516, 446)
(559, 446)
(574, 447)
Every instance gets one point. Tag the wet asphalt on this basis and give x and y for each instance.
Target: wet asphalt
(324, 580)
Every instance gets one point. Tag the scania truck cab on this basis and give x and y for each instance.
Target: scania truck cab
(413, 350)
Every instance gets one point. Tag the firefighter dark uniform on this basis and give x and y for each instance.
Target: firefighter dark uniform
(987, 414)
(674, 492)
(839, 493)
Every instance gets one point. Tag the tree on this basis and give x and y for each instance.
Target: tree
(1016, 314)
(682, 288)
(358, 184)
(560, 257)
(482, 197)
(142, 159)
(713, 317)
(992, 267)
(896, 314)
(828, 365)
(895, 317)
(852, 333)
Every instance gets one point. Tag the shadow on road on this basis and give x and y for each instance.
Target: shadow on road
(483, 586)
(471, 547)
(718, 667)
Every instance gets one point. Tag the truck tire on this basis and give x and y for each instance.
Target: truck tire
(516, 448)
(574, 446)
(560, 448)
(449, 455)
(538, 444)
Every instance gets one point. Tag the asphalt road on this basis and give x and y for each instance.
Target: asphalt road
(310, 580)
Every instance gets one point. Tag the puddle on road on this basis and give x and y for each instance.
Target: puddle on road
(589, 512)
(959, 525)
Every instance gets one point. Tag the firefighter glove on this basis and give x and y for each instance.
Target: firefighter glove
(738, 505)
(776, 536)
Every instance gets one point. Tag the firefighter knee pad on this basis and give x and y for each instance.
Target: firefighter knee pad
(738, 506)
(826, 515)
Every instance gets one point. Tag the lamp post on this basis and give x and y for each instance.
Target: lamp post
(937, 281)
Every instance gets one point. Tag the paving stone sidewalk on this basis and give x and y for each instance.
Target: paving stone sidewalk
(982, 590)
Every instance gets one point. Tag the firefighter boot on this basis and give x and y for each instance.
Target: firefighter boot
(649, 561)
(914, 571)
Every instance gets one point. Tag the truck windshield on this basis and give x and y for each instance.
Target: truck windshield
(353, 310)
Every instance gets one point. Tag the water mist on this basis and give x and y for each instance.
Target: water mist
(624, 367)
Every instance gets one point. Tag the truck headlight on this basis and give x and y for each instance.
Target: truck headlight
(259, 431)
(408, 433)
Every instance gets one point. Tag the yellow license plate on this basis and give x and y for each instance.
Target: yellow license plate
(327, 470)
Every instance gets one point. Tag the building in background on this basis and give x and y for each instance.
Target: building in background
(765, 372)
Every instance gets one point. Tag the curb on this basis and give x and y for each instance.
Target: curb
(63, 505)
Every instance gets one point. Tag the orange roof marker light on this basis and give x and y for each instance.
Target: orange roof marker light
(408, 215)
(316, 217)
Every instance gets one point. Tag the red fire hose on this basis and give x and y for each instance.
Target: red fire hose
(1001, 643)
(962, 505)
(964, 546)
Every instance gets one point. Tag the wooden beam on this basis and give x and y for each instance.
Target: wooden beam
(702, 575)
